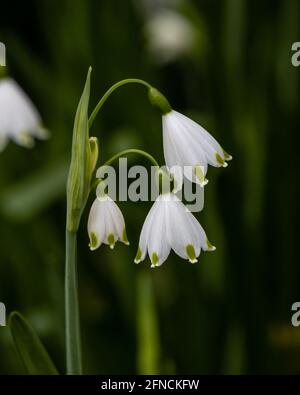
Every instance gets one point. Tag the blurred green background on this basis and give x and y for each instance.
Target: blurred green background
(226, 63)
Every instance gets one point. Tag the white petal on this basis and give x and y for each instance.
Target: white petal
(118, 220)
(181, 148)
(143, 242)
(205, 244)
(106, 223)
(187, 149)
(188, 144)
(171, 153)
(158, 245)
(110, 236)
(96, 224)
(199, 232)
(181, 231)
(210, 144)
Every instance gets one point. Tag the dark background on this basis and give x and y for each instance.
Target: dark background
(231, 312)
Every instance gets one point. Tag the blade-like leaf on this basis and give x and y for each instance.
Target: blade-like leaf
(30, 348)
(78, 184)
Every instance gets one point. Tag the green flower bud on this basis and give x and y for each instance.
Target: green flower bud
(93, 155)
(158, 100)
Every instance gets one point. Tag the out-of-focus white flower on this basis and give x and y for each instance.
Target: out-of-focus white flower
(106, 223)
(19, 119)
(169, 35)
(170, 225)
(190, 146)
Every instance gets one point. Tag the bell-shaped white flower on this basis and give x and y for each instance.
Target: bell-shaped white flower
(169, 225)
(19, 119)
(106, 223)
(190, 146)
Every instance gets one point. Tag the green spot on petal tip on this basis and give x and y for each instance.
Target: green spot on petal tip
(124, 237)
(111, 241)
(154, 259)
(138, 257)
(200, 175)
(190, 251)
(93, 241)
(205, 182)
(210, 247)
(220, 160)
(226, 155)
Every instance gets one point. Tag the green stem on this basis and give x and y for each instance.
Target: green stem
(110, 91)
(123, 153)
(148, 357)
(131, 151)
(73, 341)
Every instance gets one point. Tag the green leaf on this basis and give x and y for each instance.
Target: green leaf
(29, 347)
(78, 185)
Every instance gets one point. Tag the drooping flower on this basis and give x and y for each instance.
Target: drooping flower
(190, 146)
(106, 223)
(19, 119)
(169, 225)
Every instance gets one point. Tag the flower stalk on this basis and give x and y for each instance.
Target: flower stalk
(148, 344)
(111, 90)
(73, 338)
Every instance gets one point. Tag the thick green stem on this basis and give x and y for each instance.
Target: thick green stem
(72, 324)
(110, 91)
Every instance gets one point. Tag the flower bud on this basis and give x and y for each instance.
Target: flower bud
(158, 100)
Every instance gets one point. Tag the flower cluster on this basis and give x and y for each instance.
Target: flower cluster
(168, 225)
(187, 146)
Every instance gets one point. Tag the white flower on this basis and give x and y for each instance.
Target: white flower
(190, 146)
(106, 223)
(170, 225)
(169, 35)
(19, 119)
